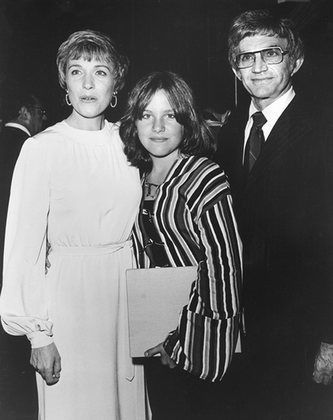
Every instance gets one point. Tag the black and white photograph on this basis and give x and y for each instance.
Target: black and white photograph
(166, 210)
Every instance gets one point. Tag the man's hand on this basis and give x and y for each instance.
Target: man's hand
(165, 358)
(46, 360)
(323, 366)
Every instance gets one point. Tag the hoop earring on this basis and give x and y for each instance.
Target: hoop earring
(114, 100)
(68, 102)
(235, 91)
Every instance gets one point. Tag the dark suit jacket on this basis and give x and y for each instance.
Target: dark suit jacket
(284, 212)
(11, 141)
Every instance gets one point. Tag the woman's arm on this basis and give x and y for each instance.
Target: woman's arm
(23, 303)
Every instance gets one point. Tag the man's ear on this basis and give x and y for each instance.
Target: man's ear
(237, 73)
(297, 65)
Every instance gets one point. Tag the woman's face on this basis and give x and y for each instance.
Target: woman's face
(90, 86)
(158, 130)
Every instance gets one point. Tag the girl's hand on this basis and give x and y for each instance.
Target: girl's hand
(165, 358)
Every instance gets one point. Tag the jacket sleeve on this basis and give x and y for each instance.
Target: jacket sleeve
(23, 303)
(206, 336)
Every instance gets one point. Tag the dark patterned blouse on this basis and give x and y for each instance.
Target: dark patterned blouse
(194, 220)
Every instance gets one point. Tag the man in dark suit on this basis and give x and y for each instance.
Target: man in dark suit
(277, 154)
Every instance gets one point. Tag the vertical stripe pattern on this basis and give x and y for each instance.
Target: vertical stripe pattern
(195, 220)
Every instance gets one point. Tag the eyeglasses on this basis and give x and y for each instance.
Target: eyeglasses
(273, 55)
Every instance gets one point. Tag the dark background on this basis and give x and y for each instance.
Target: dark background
(185, 36)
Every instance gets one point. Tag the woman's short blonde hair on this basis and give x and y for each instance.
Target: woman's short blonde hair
(90, 44)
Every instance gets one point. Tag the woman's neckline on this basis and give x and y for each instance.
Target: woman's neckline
(84, 129)
(79, 122)
(88, 138)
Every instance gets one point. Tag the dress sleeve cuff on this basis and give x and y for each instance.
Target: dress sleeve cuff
(39, 339)
(170, 342)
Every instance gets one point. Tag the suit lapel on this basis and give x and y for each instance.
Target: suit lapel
(289, 129)
(231, 153)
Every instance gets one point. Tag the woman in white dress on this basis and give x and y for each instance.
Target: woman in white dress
(73, 201)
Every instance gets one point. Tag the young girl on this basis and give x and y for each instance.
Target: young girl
(186, 218)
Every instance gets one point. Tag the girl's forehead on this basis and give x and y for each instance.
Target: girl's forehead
(159, 98)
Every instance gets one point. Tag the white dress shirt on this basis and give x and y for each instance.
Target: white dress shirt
(272, 113)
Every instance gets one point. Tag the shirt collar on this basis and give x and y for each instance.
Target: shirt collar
(273, 111)
(19, 126)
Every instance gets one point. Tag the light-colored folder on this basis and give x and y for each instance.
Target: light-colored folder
(156, 297)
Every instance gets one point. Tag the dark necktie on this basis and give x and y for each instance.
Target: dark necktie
(255, 141)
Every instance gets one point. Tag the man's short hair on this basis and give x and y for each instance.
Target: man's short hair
(263, 22)
(15, 100)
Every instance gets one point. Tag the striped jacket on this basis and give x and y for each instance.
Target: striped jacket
(195, 220)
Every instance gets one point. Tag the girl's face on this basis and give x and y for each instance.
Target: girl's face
(90, 86)
(158, 130)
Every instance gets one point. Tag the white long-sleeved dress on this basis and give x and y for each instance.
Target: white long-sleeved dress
(75, 189)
